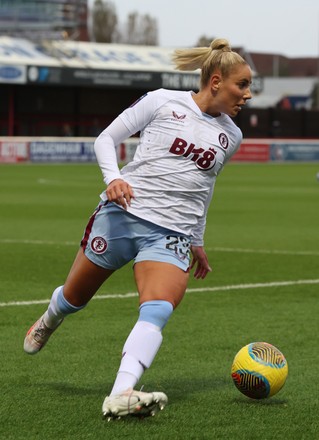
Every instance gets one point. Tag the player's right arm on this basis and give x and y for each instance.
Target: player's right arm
(117, 190)
(129, 122)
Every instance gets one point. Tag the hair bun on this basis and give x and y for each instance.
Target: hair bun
(220, 44)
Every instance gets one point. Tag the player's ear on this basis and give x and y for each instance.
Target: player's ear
(215, 80)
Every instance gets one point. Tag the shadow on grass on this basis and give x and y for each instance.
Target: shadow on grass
(184, 387)
(68, 389)
(178, 389)
(273, 401)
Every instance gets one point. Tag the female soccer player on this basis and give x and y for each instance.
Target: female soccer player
(154, 210)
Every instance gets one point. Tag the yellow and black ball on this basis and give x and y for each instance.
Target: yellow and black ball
(259, 370)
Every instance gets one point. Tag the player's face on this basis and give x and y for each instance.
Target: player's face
(234, 90)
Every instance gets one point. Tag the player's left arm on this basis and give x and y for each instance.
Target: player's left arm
(200, 262)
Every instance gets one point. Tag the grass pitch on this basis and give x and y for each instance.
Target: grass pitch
(263, 243)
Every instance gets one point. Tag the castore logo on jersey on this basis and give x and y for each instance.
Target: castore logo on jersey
(179, 117)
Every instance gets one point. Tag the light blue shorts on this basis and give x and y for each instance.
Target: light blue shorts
(113, 237)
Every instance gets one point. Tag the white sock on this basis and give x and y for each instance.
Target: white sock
(139, 352)
(58, 308)
(53, 315)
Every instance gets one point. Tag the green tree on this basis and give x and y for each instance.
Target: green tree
(204, 41)
(104, 22)
(105, 27)
(140, 29)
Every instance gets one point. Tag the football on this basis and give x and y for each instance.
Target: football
(259, 370)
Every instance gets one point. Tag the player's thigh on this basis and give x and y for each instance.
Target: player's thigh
(160, 281)
(84, 279)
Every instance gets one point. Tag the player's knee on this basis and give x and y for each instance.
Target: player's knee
(156, 312)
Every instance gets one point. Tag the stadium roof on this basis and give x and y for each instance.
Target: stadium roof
(85, 54)
(72, 62)
(85, 63)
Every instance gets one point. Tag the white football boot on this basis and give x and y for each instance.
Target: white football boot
(134, 403)
(38, 336)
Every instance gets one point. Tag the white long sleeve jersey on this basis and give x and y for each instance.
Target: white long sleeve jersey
(180, 153)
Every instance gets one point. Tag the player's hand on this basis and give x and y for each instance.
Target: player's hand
(200, 262)
(120, 192)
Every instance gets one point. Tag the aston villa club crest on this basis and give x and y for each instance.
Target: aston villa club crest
(98, 245)
(223, 140)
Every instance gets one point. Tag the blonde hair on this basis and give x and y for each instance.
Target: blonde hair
(218, 56)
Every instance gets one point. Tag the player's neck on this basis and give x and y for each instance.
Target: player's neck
(205, 104)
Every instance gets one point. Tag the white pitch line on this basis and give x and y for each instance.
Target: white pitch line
(198, 290)
(261, 251)
(39, 242)
(216, 249)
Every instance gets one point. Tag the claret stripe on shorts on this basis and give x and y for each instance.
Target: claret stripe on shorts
(88, 228)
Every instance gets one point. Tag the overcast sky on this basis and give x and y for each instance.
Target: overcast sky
(286, 27)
